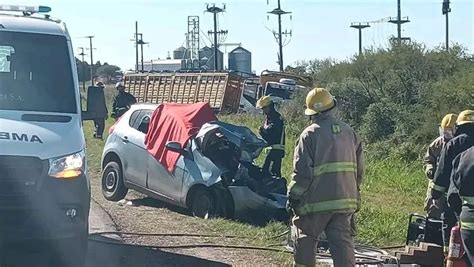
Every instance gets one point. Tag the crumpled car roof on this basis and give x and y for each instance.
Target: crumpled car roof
(249, 143)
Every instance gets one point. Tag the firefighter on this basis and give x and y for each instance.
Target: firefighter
(433, 208)
(324, 192)
(273, 131)
(463, 181)
(96, 100)
(463, 139)
(122, 101)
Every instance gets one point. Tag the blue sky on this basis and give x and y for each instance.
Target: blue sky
(320, 27)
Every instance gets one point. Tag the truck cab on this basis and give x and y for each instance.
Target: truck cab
(44, 187)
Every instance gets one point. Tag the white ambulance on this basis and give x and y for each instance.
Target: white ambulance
(44, 188)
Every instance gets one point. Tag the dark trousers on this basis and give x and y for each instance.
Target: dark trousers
(99, 127)
(449, 221)
(468, 241)
(272, 163)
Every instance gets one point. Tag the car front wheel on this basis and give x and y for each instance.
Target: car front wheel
(113, 186)
(202, 203)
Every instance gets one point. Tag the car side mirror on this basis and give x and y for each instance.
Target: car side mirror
(177, 148)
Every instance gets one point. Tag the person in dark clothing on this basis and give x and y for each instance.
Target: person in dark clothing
(463, 180)
(273, 131)
(122, 101)
(96, 103)
(463, 140)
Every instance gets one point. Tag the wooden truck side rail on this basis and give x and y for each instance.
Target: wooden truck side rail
(221, 90)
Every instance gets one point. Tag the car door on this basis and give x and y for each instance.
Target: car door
(164, 183)
(134, 150)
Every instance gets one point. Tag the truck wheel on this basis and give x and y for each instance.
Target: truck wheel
(113, 186)
(202, 203)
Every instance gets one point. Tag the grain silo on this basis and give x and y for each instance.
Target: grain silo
(240, 59)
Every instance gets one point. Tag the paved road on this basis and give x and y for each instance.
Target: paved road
(105, 252)
(109, 251)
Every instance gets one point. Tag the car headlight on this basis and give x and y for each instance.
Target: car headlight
(67, 167)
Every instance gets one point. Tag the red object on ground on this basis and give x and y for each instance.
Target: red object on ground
(456, 249)
(177, 123)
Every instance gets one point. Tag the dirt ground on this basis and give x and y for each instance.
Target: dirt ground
(147, 215)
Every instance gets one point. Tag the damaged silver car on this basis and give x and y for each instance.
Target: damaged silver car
(213, 173)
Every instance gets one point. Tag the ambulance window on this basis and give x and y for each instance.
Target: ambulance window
(5, 57)
(36, 73)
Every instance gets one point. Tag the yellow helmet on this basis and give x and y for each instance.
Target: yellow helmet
(318, 100)
(467, 116)
(264, 101)
(449, 121)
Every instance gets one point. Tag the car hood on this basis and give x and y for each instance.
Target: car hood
(44, 140)
(249, 143)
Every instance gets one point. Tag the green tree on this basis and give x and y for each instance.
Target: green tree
(107, 71)
(398, 94)
(80, 74)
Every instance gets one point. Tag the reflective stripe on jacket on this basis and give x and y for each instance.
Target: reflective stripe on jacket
(328, 168)
(463, 179)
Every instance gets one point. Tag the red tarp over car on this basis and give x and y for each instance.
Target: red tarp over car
(175, 122)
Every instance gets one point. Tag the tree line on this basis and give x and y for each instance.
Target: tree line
(106, 71)
(396, 97)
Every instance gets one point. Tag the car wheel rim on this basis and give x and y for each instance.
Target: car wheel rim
(202, 206)
(110, 181)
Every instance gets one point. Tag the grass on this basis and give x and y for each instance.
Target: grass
(391, 191)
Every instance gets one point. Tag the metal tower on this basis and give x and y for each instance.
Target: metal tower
(192, 37)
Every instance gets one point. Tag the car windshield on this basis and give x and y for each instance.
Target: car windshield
(35, 73)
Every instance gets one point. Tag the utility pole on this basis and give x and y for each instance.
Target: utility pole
(279, 12)
(141, 43)
(446, 10)
(399, 21)
(82, 54)
(360, 27)
(215, 11)
(92, 59)
(136, 46)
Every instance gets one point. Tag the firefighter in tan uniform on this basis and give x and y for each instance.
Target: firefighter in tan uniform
(324, 192)
(434, 208)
